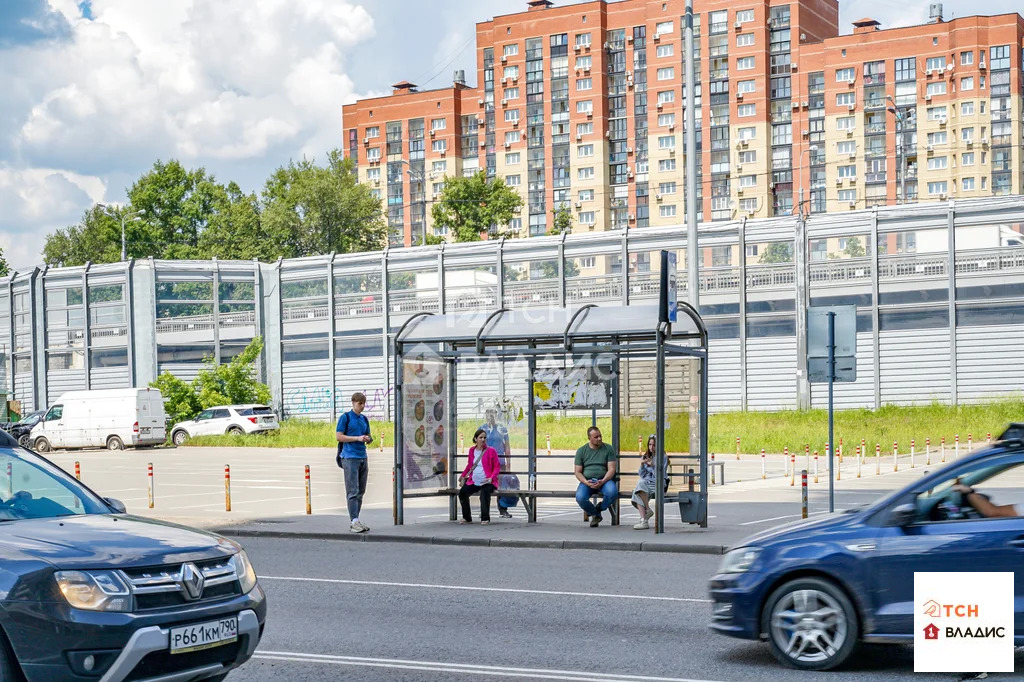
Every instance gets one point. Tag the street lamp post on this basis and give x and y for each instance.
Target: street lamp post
(800, 169)
(135, 217)
(421, 176)
(901, 152)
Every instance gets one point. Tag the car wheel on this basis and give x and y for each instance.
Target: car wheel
(179, 438)
(24, 441)
(42, 445)
(811, 624)
(115, 443)
(236, 431)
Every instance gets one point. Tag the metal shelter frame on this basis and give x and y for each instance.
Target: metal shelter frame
(611, 332)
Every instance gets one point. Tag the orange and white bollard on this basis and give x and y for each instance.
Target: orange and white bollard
(859, 462)
(309, 495)
(713, 469)
(462, 442)
(928, 451)
(911, 453)
(737, 448)
(956, 446)
(640, 444)
(792, 465)
(227, 487)
(78, 470)
(895, 456)
(807, 457)
(382, 434)
(840, 452)
(549, 444)
(943, 449)
(763, 474)
(970, 443)
(815, 466)
(878, 459)
(152, 492)
(803, 494)
(988, 438)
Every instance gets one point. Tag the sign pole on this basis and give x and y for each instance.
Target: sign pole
(831, 381)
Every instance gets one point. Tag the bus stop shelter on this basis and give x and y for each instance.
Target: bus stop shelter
(583, 349)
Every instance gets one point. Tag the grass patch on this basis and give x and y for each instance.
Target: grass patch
(769, 430)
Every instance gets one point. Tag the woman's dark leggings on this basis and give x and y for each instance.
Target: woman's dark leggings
(485, 500)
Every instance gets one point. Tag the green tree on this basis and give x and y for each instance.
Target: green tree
(235, 231)
(96, 238)
(778, 252)
(233, 383)
(854, 249)
(312, 210)
(561, 220)
(469, 207)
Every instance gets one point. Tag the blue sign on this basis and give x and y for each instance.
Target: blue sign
(669, 293)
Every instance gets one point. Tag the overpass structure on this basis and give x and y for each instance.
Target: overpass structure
(939, 290)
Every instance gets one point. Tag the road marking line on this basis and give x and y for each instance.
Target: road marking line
(492, 671)
(340, 581)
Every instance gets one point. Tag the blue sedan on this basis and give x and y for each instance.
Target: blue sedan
(814, 589)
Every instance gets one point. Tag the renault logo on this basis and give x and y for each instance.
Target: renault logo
(191, 580)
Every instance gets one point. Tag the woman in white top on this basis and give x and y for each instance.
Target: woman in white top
(480, 475)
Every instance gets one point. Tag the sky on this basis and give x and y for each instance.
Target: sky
(93, 92)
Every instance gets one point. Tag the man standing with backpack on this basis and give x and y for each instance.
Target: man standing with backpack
(353, 433)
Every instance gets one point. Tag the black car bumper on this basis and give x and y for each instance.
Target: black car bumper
(736, 604)
(51, 641)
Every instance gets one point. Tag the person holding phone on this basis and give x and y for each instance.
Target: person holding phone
(353, 434)
(480, 475)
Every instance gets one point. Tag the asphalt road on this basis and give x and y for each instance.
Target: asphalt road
(388, 611)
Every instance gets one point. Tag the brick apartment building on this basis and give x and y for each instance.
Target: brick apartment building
(582, 106)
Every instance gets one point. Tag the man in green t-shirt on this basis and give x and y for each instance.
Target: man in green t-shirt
(595, 470)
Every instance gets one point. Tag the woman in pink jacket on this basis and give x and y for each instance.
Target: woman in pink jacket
(481, 474)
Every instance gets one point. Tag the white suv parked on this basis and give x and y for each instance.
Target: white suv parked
(226, 419)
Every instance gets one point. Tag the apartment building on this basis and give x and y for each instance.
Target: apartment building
(581, 106)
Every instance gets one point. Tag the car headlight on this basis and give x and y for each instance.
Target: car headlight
(95, 590)
(739, 560)
(244, 571)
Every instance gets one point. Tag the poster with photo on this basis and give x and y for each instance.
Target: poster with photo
(425, 423)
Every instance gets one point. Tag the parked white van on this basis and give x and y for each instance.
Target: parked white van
(111, 418)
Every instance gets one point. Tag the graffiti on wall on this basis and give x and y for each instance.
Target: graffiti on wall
(318, 400)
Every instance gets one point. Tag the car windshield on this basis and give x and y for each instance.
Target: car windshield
(986, 475)
(258, 410)
(32, 488)
(32, 419)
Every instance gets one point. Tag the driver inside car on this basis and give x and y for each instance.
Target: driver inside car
(984, 506)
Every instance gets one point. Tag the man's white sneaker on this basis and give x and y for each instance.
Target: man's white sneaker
(643, 525)
(357, 527)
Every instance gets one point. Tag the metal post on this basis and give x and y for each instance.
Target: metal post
(954, 389)
(743, 312)
(123, 250)
(659, 429)
(399, 507)
(531, 439)
(86, 333)
(453, 426)
(690, 141)
(616, 518)
(216, 310)
(129, 299)
(831, 381)
(801, 263)
(704, 387)
(332, 330)
(561, 270)
(875, 350)
(386, 326)
(901, 150)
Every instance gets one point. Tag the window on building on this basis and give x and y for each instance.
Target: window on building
(744, 110)
(937, 88)
(846, 123)
(846, 147)
(511, 50)
(746, 86)
(439, 167)
(745, 16)
(667, 211)
(666, 51)
(747, 133)
(664, 28)
(966, 58)
(439, 146)
(584, 62)
(748, 181)
(744, 40)
(373, 154)
(849, 171)
(845, 75)
(967, 184)
(585, 106)
(587, 262)
(513, 180)
(847, 196)
(587, 218)
(967, 84)
(937, 163)
(666, 165)
(999, 57)
(510, 72)
(667, 188)
(584, 151)
(373, 132)
(967, 159)
(906, 69)
(512, 158)
(937, 188)
(373, 174)
(511, 93)
(937, 138)
(967, 108)
(667, 142)
(582, 39)
(584, 84)
(511, 115)
(666, 120)
(666, 97)
(935, 64)
(744, 63)
(586, 195)
(666, 74)
(967, 134)
(584, 128)
(585, 173)
(748, 156)
(511, 137)
(936, 113)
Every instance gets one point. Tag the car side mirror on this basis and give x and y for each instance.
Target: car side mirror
(196, 419)
(903, 515)
(116, 505)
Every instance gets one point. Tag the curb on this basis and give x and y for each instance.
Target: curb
(479, 542)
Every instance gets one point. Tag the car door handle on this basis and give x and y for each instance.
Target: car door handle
(1018, 542)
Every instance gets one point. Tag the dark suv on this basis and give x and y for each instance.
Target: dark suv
(88, 592)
